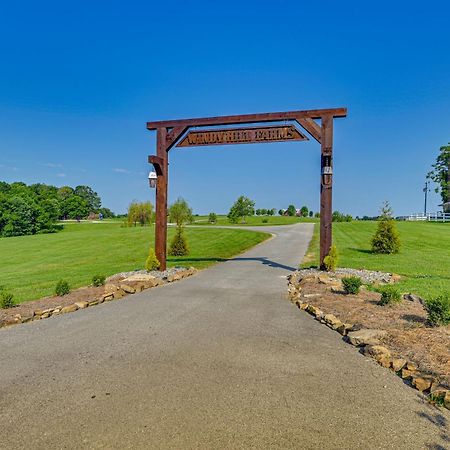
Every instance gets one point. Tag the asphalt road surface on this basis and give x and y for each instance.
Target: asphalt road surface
(218, 360)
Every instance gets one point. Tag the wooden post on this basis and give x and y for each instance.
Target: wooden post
(161, 199)
(326, 181)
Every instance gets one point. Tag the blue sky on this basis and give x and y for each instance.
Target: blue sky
(79, 80)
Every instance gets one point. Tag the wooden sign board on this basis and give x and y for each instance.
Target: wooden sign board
(248, 135)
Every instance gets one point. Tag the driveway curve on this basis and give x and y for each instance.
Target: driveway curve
(218, 360)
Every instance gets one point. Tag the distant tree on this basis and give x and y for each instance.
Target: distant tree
(65, 192)
(242, 208)
(180, 212)
(74, 207)
(311, 213)
(281, 212)
(92, 198)
(264, 212)
(291, 211)
(340, 217)
(386, 238)
(271, 212)
(317, 215)
(258, 212)
(139, 212)
(304, 211)
(106, 213)
(440, 173)
(212, 218)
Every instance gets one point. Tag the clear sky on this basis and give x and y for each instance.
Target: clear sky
(79, 80)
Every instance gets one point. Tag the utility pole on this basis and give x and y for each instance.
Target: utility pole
(426, 190)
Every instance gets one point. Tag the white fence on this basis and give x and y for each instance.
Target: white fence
(431, 217)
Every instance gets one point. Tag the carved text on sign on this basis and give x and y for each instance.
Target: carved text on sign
(242, 136)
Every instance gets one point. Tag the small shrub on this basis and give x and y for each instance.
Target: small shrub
(6, 299)
(438, 310)
(62, 288)
(386, 239)
(98, 280)
(212, 218)
(178, 246)
(351, 284)
(152, 262)
(265, 220)
(330, 261)
(390, 295)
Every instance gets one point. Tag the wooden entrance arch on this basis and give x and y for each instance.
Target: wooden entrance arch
(177, 133)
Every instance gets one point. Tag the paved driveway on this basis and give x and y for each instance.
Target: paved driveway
(219, 360)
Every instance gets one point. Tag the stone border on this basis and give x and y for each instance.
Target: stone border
(113, 291)
(367, 340)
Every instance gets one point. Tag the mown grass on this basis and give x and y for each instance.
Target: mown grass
(423, 261)
(30, 266)
(253, 220)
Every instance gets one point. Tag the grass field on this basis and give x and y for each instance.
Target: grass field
(30, 266)
(423, 261)
(253, 220)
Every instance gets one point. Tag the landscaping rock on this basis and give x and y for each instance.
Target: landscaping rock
(311, 295)
(447, 400)
(379, 353)
(69, 309)
(398, 364)
(365, 336)
(144, 277)
(108, 296)
(93, 302)
(414, 298)
(332, 321)
(110, 288)
(422, 383)
(344, 328)
(127, 288)
(117, 295)
(82, 304)
(407, 374)
(12, 321)
(314, 311)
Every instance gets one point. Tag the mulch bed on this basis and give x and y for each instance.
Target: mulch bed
(27, 308)
(408, 334)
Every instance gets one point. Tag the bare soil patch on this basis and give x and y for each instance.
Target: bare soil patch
(408, 334)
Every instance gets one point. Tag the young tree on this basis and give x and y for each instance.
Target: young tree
(304, 211)
(241, 208)
(139, 212)
(291, 211)
(386, 238)
(440, 173)
(180, 213)
(212, 218)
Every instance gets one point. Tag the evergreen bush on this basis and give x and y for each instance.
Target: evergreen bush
(178, 246)
(351, 284)
(98, 280)
(152, 262)
(386, 239)
(438, 310)
(390, 295)
(330, 261)
(62, 288)
(6, 299)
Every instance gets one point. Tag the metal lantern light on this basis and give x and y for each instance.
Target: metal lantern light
(152, 179)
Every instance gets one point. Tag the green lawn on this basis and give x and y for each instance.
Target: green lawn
(423, 261)
(30, 266)
(253, 220)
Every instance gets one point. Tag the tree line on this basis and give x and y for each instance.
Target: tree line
(37, 208)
